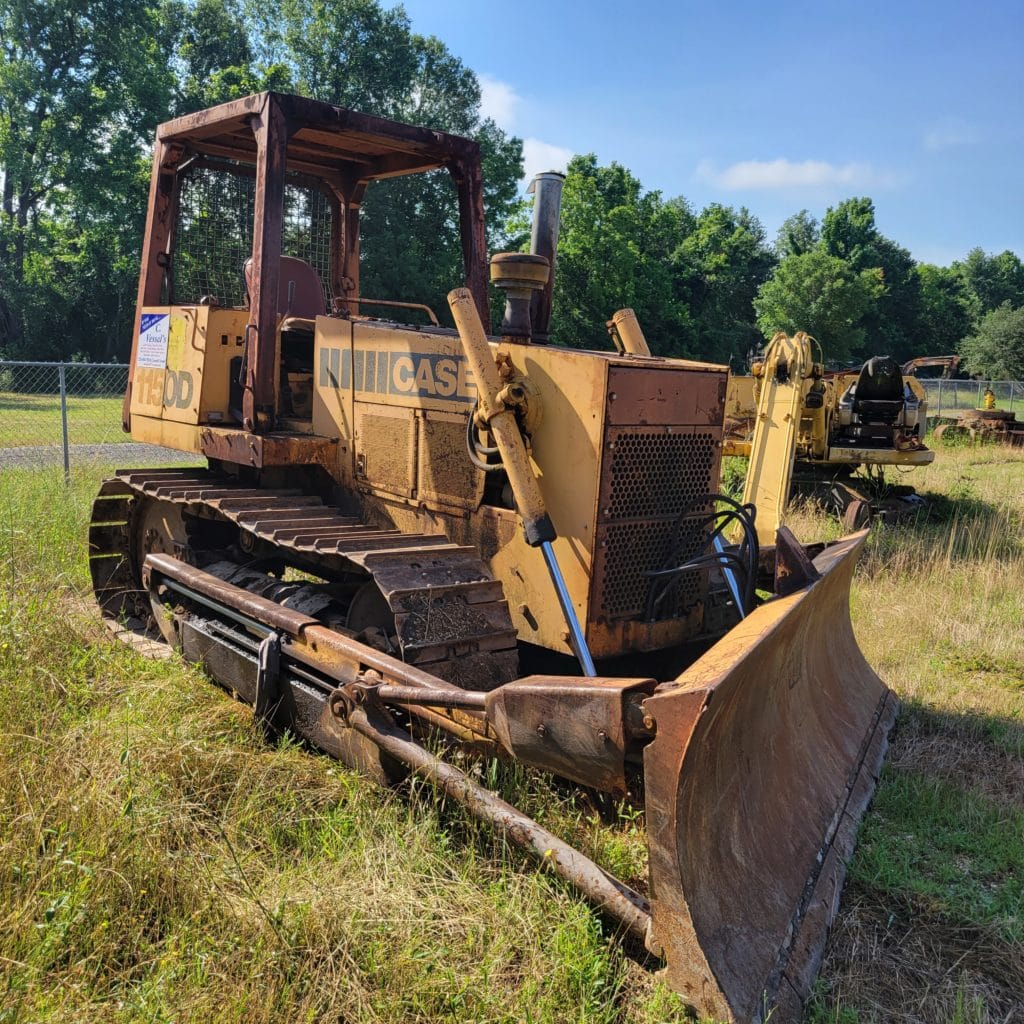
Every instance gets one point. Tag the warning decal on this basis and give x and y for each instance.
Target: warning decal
(154, 329)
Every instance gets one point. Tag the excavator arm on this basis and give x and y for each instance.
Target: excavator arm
(786, 372)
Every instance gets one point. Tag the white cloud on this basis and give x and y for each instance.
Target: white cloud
(542, 156)
(498, 101)
(950, 132)
(783, 174)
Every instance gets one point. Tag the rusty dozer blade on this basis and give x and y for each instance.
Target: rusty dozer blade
(766, 754)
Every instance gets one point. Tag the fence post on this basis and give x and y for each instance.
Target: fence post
(938, 401)
(64, 422)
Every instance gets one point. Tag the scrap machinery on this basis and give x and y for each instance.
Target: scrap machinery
(403, 528)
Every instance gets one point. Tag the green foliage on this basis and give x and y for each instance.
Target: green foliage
(944, 317)
(82, 84)
(990, 281)
(798, 234)
(996, 349)
(848, 231)
(724, 261)
(215, 56)
(358, 54)
(820, 294)
(960, 853)
(614, 251)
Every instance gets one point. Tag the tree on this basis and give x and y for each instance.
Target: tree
(798, 234)
(820, 294)
(358, 54)
(995, 350)
(849, 232)
(614, 251)
(215, 56)
(989, 281)
(82, 85)
(944, 311)
(722, 262)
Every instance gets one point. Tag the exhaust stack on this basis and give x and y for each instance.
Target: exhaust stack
(546, 189)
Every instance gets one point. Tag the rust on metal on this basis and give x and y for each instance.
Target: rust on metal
(163, 189)
(343, 149)
(335, 655)
(449, 613)
(986, 425)
(745, 865)
(573, 727)
(247, 448)
(607, 893)
(271, 131)
(793, 569)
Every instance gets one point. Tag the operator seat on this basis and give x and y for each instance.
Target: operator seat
(297, 279)
(877, 396)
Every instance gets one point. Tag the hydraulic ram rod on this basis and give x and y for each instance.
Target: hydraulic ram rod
(537, 525)
(603, 890)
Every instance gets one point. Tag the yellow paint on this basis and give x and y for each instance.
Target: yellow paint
(397, 399)
(193, 387)
(785, 381)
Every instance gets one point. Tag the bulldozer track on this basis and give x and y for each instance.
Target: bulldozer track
(450, 614)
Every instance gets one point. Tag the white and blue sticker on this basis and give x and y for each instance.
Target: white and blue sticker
(154, 331)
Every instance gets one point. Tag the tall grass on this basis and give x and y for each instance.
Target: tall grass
(159, 862)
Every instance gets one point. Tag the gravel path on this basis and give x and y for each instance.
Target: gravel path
(45, 456)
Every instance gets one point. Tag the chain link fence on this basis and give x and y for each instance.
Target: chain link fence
(66, 414)
(948, 397)
(69, 413)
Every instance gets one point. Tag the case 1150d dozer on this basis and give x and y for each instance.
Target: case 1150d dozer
(405, 532)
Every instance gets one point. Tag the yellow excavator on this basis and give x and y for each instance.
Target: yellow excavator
(807, 431)
(404, 529)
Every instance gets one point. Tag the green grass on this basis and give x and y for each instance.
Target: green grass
(36, 420)
(933, 923)
(956, 852)
(158, 861)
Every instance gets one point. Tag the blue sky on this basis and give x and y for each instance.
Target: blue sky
(775, 106)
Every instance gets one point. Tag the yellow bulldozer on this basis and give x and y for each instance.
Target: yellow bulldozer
(406, 531)
(808, 431)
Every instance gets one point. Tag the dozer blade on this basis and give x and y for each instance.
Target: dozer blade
(767, 752)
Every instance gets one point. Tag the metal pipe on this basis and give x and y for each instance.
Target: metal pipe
(730, 577)
(64, 422)
(577, 641)
(547, 207)
(603, 890)
(630, 334)
(416, 696)
(316, 645)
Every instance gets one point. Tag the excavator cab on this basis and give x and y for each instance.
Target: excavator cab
(875, 401)
(408, 528)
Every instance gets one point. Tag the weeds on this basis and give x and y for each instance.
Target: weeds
(159, 862)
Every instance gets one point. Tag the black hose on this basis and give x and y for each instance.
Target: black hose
(744, 560)
(478, 453)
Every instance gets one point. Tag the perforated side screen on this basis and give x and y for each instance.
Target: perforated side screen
(655, 478)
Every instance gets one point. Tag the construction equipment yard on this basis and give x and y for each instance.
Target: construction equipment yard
(160, 861)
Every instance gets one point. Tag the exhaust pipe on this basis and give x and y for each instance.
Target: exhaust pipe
(546, 188)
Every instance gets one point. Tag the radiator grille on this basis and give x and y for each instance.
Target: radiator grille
(653, 473)
(651, 481)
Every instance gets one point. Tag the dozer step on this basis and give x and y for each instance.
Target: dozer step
(449, 612)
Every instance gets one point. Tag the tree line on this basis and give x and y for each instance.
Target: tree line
(83, 84)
